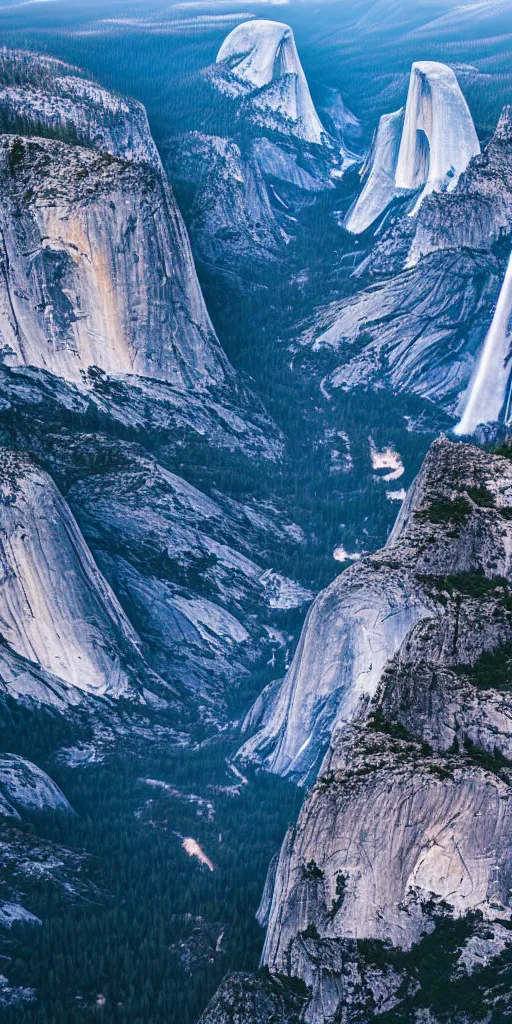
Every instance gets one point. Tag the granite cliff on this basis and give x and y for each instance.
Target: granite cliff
(403, 842)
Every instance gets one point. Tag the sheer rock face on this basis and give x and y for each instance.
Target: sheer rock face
(56, 609)
(259, 60)
(351, 631)
(409, 825)
(97, 270)
(27, 786)
(388, 840)
(425, 148)
(439, 137)
(478, 212)
(364, 617)
(378, 173)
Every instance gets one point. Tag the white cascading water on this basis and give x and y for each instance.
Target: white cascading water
(488, 389)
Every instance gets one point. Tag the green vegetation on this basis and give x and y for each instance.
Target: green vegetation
(482, 496)
(492, 670)
(154, 908)
(443, 512)
(494, 761)
(431, 964)
(337, 903)
(377, 723)
(469, 584)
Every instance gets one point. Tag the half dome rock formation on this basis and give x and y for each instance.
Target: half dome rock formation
(478, 212)
(488, 392)
(97, 269)
(438, 137)
(364, 617)
(56, 609)
(438, 140)
(259, 61)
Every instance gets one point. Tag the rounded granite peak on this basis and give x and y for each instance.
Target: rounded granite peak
(421, 149)
(262, 57)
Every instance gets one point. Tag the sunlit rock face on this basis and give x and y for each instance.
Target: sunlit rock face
(364, 617)
(97, 269)
(262, 64)
(56, 609)
(437, 141)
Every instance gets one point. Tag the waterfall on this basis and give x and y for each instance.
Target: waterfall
(487, 391)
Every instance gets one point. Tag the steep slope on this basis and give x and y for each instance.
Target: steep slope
(403, 844)
(363, 618)
(425, 146)
(73, 250)
(56, 610)
(259, 61)
(426, 290)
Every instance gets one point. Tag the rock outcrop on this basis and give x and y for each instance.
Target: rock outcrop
(407, 832)
(259, 61)
(246, 999)
(96, 269)
(378, 174)
(422, 149)
(364, 617)
(418, 331)
(56, 609)
(43, 96)
(27, 786)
